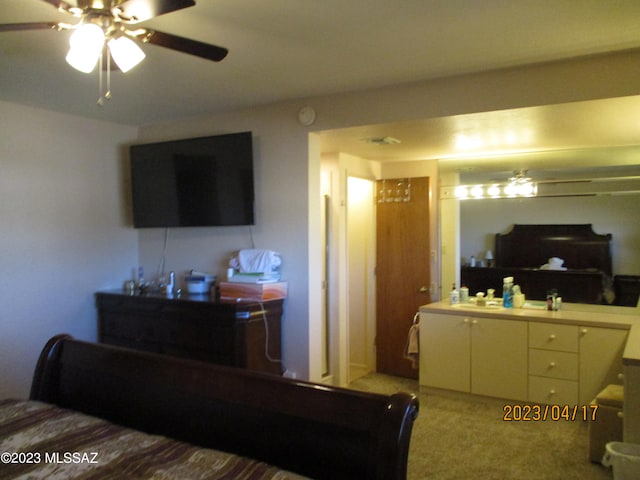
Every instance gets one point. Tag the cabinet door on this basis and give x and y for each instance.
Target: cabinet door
(445, 351)
(499, 358)
(600, 359)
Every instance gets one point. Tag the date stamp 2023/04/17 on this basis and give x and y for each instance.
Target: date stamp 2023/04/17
(556, 413)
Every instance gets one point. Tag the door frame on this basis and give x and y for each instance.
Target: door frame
(339, 166)
(368, 298)
(335, 171)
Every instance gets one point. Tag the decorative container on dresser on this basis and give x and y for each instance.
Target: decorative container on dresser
(237, 334)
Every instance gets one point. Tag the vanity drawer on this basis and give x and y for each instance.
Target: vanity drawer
(550, 336)
(553, 391)
(555, 364)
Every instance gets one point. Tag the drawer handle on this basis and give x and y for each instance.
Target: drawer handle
(621, 376)
(552, 392)
(474, 321)
(466, 320)
(552, 336)
(620, 414)
(552, 364)
(584, 331)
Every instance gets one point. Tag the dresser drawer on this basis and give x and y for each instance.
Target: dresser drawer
(554, 364)
(553, 391)
(132, 328)
(549, 336)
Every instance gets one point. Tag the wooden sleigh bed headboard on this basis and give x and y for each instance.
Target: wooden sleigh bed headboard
(530, 246)
(522, 252)
(311, 429)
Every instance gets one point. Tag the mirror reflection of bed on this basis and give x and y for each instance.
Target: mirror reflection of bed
(583, 273)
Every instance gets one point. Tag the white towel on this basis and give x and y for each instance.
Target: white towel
(412, 349)
(256, 261)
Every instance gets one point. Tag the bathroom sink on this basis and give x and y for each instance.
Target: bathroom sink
(473, 306)
(528, 305)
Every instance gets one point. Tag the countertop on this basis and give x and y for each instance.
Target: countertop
(627, 318)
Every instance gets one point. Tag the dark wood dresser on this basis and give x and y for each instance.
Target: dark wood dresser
(238, 334)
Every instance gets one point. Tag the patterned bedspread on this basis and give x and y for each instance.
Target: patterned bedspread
(42, 441)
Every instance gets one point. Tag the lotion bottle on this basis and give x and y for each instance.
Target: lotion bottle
(454, 296)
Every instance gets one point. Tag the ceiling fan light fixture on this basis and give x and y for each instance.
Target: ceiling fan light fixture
(125, 52)
(86, 46)
(81, 60)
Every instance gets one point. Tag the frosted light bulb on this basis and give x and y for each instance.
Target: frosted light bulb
(86, 46)
(125, 53)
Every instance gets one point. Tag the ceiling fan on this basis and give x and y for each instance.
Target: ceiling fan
(110, 26)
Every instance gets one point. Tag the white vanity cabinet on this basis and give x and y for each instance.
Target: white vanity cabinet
(553, 363)
(570, 364)
(601, 352)
(483, 356)
(499, 358)
(537, 356)
(445, 351)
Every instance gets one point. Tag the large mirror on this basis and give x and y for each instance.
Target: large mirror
(584, 157)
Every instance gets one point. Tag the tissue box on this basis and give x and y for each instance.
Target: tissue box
(253, 291)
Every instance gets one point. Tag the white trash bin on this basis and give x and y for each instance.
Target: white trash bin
(624, 458)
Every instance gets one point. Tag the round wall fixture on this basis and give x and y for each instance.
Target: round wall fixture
(306, 116)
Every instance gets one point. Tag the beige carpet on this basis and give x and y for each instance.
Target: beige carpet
(464, 437)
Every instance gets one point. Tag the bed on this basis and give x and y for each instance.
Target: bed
(97, 410)
(523, 252)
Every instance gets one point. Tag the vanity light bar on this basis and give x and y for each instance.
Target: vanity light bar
(495, 190)
(545, 188)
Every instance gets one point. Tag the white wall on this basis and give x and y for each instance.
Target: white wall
(63, 231)
(619, 215)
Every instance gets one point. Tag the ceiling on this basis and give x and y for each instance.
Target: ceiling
(288, 49)
(573, 140)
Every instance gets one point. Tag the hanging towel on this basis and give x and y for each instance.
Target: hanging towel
(412, 349)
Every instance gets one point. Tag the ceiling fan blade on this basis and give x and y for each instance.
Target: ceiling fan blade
(60, 5)
(134, 11)
(185, 45)
(9, 27)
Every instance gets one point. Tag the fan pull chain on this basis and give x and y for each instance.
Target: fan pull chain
(107, 93)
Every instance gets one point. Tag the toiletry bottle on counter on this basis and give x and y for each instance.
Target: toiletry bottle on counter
(507, 292)
(454, 296)
(552, 299)
(464, 294)
(480, 300)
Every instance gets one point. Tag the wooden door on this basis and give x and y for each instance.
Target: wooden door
(402, 268)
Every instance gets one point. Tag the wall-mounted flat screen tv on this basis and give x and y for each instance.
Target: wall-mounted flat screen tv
(195, 182)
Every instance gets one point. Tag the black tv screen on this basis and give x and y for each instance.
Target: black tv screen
(196, 182)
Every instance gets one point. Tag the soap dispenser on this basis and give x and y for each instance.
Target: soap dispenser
(507, 292)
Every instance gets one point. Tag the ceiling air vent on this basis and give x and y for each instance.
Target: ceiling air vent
(381, 140)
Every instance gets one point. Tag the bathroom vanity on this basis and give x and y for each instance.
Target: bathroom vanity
(533, 355)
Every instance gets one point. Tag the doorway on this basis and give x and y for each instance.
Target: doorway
(350, 280)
